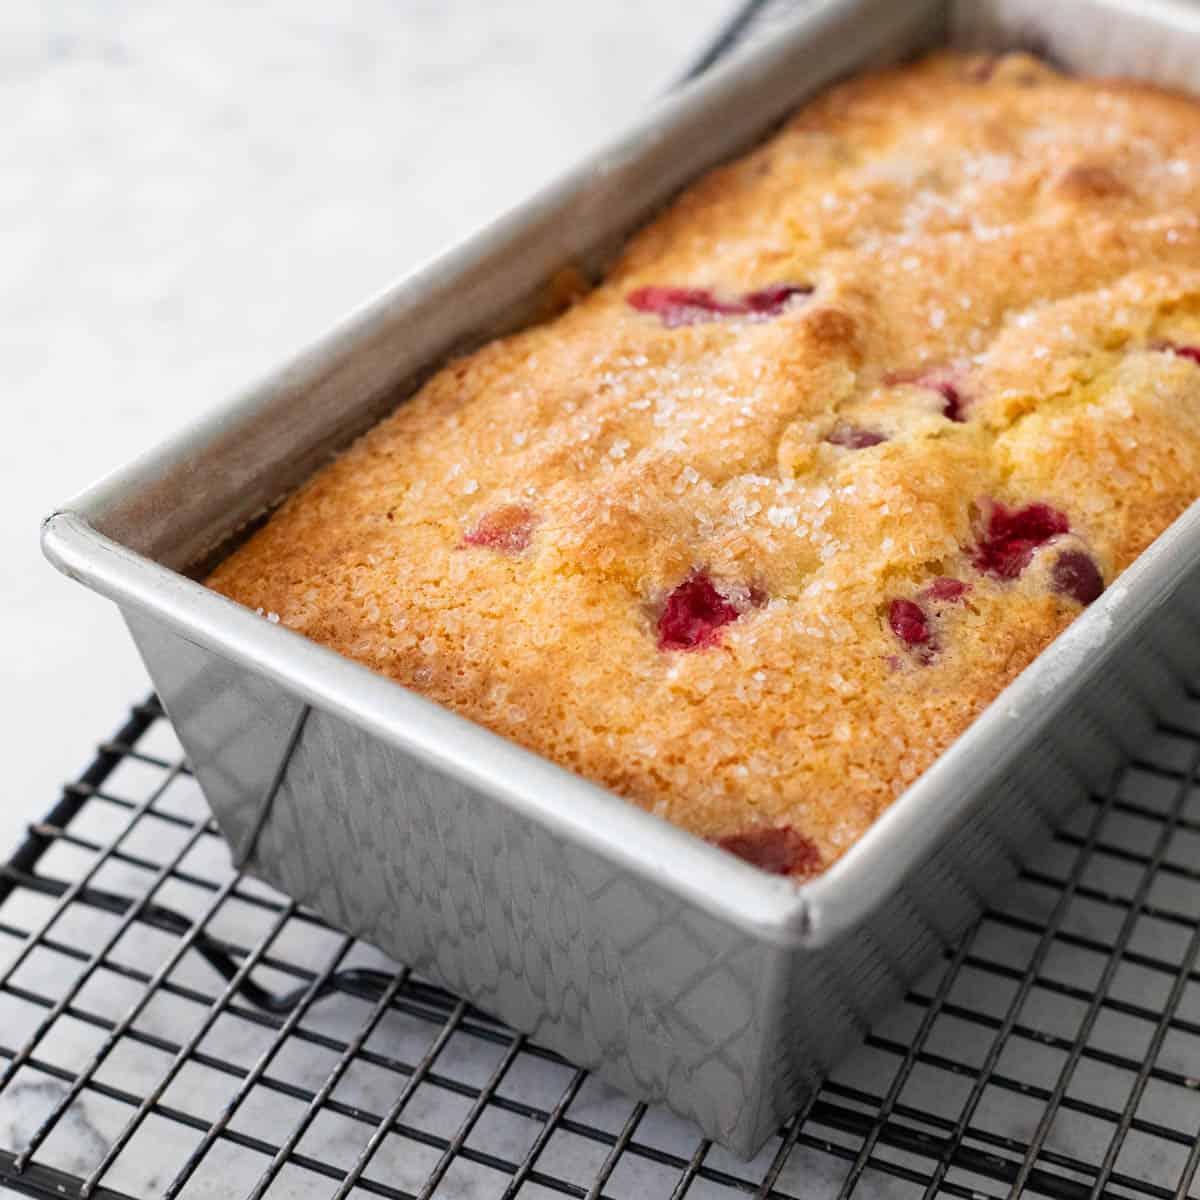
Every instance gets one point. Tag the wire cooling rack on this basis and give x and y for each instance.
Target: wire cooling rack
(170, 1027)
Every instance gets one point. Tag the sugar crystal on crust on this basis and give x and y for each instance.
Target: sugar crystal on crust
(753, 530)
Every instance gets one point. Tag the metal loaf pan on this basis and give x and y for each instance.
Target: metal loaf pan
(676, 971)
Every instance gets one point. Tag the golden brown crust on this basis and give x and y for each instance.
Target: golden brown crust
(506, 542)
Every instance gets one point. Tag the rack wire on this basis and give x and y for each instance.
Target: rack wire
(170, 1026)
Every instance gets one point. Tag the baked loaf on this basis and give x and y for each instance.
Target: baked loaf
(754, 529)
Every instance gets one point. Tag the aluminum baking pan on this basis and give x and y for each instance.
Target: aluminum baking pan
(678, 972)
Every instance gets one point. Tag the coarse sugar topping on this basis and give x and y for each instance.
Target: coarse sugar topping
(753, 530)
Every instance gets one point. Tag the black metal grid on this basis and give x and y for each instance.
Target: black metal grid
(168, 1026)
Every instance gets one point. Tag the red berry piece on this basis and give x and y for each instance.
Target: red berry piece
(1013, 534)
(853, 437)
(981, 71)
(758, 595)
(909, 623)
(507, 529)
(946, 381)
(779, 849)
(770, 301)
(1189, 352)
(1075, 574)
(955, 408)
(946, 589)
(676, 306)
(693, 614)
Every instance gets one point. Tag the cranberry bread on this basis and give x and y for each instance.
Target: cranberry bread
(754, 530)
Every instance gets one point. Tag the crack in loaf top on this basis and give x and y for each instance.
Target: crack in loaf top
(754, 529)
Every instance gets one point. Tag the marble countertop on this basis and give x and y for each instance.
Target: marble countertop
(194, 191)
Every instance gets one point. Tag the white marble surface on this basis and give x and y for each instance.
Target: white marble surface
(191, 191)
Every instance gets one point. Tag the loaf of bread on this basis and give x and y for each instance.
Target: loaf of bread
(754, 529)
